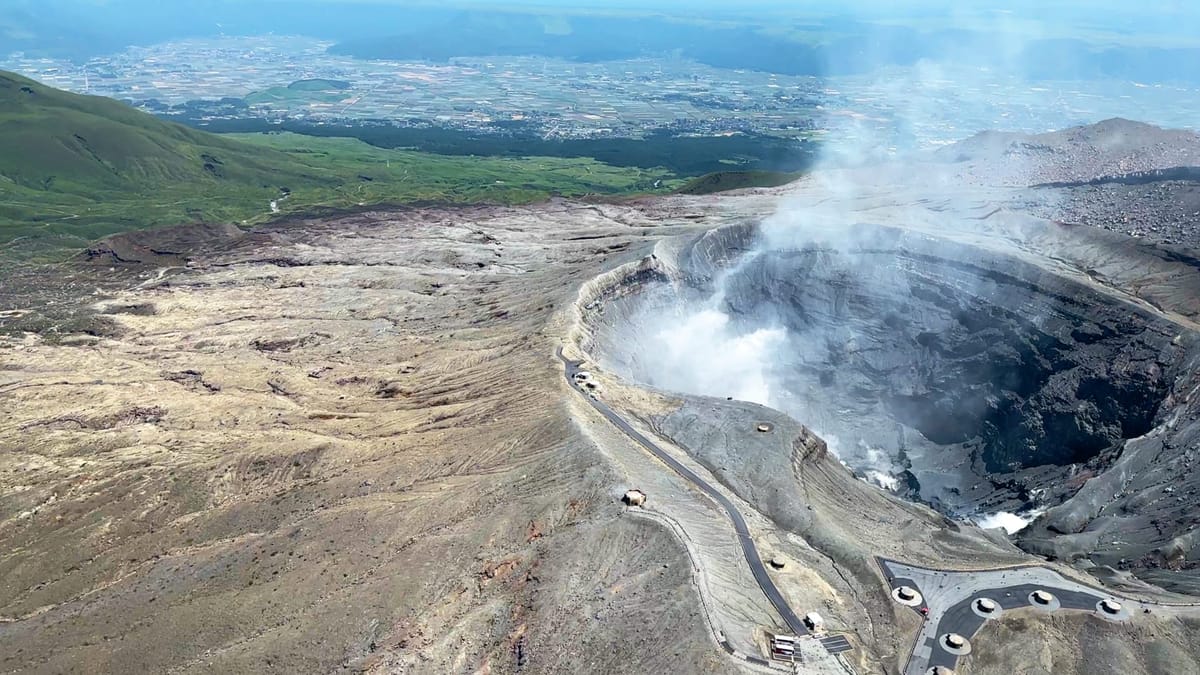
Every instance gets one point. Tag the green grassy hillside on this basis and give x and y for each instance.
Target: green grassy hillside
(61, 142)
(75, 168)
(323, 91)
(319, 85)
(723, 181)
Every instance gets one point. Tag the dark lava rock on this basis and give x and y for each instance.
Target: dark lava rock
(165, 246)
(966, 355)
(978, 381)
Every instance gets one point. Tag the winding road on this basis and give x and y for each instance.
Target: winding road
(794, 623)
(947, 595)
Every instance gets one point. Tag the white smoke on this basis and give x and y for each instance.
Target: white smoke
(892, 113)
(884, 480)
(882, 469)
(918, 114)
(1012, 523)
(704, 353)
(873, 465)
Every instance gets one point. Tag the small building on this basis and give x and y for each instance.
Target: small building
(783, 647)
(634, 498)
(784, 652)
(814, 621)
(777, 563)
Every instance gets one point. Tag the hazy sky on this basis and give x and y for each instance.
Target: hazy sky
(1093, 9)
(1180, 18)
(1149, 23)
(1171, 7)
(1174, 7)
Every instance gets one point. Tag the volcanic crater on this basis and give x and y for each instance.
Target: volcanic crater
(964, 377)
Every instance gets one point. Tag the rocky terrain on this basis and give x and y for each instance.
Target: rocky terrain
(1086, 645)
(956, 350)
(972, 360)
(335, 445)
(344, 444)
(1116, 175)
(1151, 207)
(1092, 153)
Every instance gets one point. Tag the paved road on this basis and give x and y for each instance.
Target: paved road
(794, 623)
(949, 595)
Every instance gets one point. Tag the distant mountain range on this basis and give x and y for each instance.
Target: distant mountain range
(830, 47)
(820, 45)
(80, 29)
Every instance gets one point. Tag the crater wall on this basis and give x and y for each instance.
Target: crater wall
(953, 375)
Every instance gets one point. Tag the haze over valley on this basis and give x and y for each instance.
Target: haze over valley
(486, 337)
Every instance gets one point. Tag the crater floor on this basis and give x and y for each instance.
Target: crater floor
(954, 350)
(975, 381)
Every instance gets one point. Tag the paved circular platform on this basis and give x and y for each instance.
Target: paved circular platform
(1113, 609)
(955, 644)
(986, 608)
(1044, 601)
(907, 596)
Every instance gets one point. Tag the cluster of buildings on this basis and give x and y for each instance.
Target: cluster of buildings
(565, 98)
(893, 109)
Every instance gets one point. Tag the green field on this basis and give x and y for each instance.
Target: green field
(319, 85)
(76, 168)
(723, 181)
(312, 91)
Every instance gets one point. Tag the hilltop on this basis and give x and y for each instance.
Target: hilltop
(75, 168)
(62, 142)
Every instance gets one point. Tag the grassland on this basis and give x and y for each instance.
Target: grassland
(76, 168)
(723, 181)
(687, 156)
(325, 91)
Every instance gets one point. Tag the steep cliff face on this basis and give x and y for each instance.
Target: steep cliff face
(958, 376)
(1015, 367)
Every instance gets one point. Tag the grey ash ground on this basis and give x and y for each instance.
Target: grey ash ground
(1156, 210)
(1001, 359)
(1118, 175)
(344, 444)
